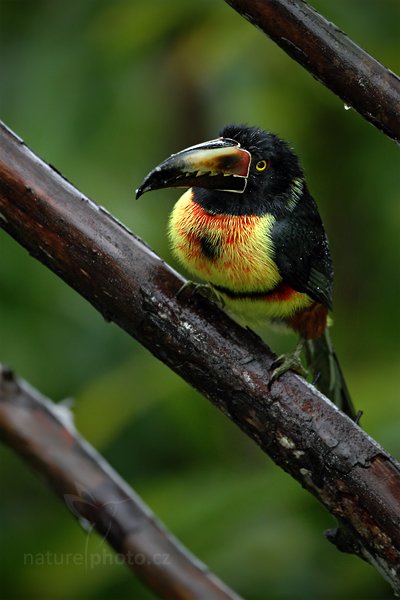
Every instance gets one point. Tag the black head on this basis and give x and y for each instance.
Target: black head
(274, 172)
(245, 171)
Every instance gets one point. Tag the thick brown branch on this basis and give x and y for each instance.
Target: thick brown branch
(44, 435)
(331, 57)
(301, 430)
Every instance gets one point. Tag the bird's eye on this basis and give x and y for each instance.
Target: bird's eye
(263, 165)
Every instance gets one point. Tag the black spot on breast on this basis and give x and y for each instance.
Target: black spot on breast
(210, 248)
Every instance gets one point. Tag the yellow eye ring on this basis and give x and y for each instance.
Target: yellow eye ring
(262, 165)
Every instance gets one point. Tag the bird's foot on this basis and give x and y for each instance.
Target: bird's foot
(188, 286)
(202, 288)
(358, 416)
(289, 362)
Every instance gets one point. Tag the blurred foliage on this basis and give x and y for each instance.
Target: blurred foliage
(104, 90)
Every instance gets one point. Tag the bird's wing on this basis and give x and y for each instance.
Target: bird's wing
(302, 253)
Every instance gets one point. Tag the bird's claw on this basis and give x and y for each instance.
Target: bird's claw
(189, 286)
(358, 416)
(202, 288)
(288, 362)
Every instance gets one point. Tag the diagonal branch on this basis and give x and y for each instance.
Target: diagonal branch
(44, 435)
(304, 433)
(331, 57)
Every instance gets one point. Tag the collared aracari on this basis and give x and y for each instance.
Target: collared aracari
(249, 227)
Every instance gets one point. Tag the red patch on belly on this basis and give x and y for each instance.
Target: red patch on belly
(282, 293)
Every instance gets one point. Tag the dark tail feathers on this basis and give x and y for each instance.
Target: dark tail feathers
(324, 365)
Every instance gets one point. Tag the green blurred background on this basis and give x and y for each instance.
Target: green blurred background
(104, 90)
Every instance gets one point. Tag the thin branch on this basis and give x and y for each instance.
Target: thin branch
(331, 57)
(304, 433)
(44, 435)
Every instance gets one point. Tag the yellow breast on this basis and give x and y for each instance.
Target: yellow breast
(233, 252)
(243, 247)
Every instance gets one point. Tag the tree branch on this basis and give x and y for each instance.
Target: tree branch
(304, 433)
(331, 57)
(44, 435)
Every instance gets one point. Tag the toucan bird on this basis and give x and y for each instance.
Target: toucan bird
(249, 227)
